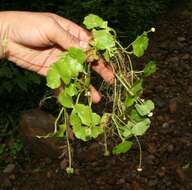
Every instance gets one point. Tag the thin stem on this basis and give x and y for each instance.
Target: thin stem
(138, 72)
(131, 67)
(56, 121)
(106, 153)
(117, 126)
(140, 154)
(67, 137)
(122, 48)
(78, 96)
(115, 91)
(120, 120)
(128, 90)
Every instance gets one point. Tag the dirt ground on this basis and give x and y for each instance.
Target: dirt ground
(167, 146)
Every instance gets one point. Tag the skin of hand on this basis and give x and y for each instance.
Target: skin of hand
(34, 41)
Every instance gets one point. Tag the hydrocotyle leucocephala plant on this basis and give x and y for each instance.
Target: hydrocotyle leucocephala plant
(130, 114)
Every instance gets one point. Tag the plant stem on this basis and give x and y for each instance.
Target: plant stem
(128, 90)
(56, 121)
(140, 154)
(106, 153)
(117, 126)
(67, 137)
(131, 68)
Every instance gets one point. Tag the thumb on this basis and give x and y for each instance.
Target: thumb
(66, 40)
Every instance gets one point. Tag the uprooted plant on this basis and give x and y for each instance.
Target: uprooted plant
(130, 114)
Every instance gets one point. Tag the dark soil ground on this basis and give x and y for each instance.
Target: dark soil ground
(167, 146)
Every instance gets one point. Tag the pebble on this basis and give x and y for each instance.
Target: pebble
(121, 181)
(174, 59)
(186, 56)
(150, 159)
(170, 148)
(12, 177)
(152, 183)
(181, 39)
(162, 171)
(152, 148)
(9, 168)
(173, 106)
(49, 174)
(165, 125)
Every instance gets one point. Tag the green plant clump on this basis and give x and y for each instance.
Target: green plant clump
(130, 114)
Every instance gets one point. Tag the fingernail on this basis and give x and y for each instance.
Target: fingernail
(84, 45)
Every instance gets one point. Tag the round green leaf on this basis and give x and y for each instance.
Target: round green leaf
(75, 120)
(93, 21)
(53, 78)
(137, 87)
(134, 116)
(95, 119)
(68, 68)
(129, 101)
(140, 44)
(127, 133)
(61, 131)
(84, 133)
(96, 131)
(65, 100)
(85, 113)
(149, 69)
(141, 127)
(122, 147)
(78, 54)
(103, 39)
(145, 108)
(71, 90)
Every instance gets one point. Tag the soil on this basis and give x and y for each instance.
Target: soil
(167, 146)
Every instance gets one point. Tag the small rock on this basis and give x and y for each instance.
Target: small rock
(186, 56)
(12, 177)
(181, 44)
(9, 168)
(174, 59)
(152, 183)
(160, 118)
(152, 148)
(165, 125)
(49, 174)
(181, 39)
(120, 181)
(150, 159)
(170, 148)
(173, 106)
(162, 171)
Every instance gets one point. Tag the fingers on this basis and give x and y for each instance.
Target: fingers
(72, 28)
(95, 95)
(64, 39)
(104, 71)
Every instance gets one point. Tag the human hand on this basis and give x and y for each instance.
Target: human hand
(35, 40)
